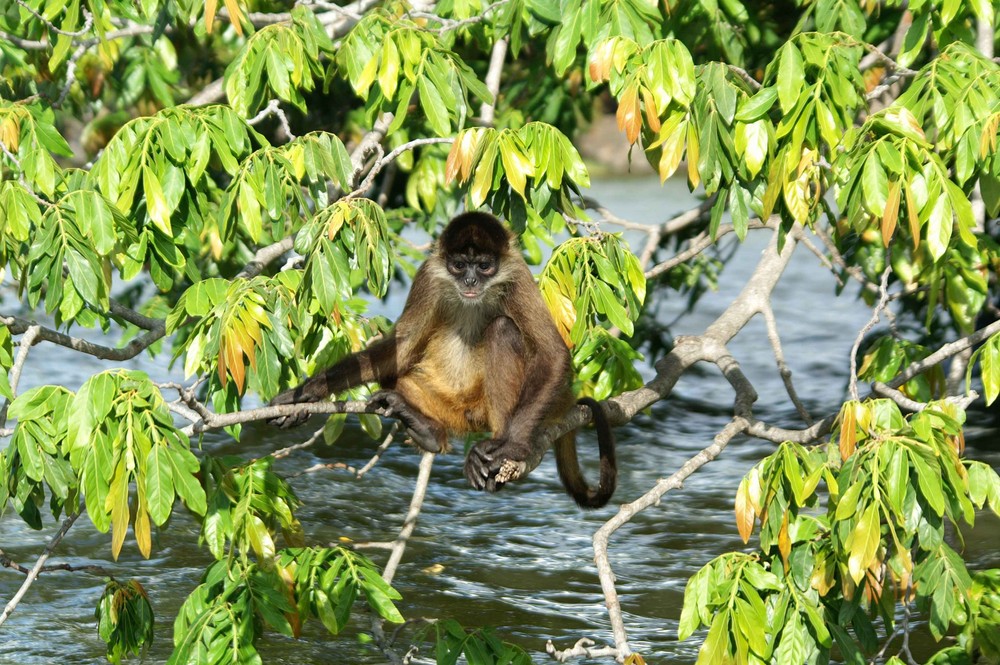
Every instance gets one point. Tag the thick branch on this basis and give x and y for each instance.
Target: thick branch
(18, 326)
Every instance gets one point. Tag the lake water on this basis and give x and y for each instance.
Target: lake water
(521, 560)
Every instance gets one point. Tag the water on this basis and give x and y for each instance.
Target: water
(522, 560)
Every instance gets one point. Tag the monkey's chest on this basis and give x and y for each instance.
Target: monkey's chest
(452, 376)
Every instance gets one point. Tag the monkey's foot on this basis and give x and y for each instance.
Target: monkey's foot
(390, 404)
(291, 420)
(493, 463)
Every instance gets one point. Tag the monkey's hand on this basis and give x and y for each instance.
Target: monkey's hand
(390, 404)
(294, 420)
(494, 462)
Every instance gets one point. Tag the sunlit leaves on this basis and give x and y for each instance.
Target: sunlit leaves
(593, 21)
(121, 435)
(37, 454)
(593, 274)
(155, 170)
(896, 166)
(240, 331)
(28, 132)
(222, 619)
(280, 60)
(536, 162)
(271, 184)
(347, 239)
(247, 505)
(70, 253)
(387, 59)
(451, 640)
(604, 365)
(124, 619)
(325, 582)
(988, 356)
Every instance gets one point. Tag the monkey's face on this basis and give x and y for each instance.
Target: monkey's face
(473, 274)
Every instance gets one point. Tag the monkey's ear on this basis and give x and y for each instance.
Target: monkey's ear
(480, 231)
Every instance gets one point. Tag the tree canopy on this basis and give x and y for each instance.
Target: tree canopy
(233, 186)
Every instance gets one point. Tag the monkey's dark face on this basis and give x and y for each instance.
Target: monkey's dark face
(473, 273)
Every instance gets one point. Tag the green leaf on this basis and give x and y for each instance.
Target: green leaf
(159, 484)
(790, 77)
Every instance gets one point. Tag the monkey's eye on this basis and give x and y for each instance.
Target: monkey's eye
(487, 267)
(458, 266)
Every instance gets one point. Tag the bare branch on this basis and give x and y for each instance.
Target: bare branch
(136, 346)
(497, 56)
(14, 376)
(783, 369)
(383, 160)
(945, 352)
(7, 562)
(651, 498)
(88, 21)
(273, 108)
(37, 568)
(876, 315)
(584, 648)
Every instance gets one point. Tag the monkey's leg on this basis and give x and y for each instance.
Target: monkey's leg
(423, 431)
(490, 461)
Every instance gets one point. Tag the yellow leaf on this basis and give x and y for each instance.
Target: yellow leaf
(600, 61)
(891, 213)
(235, 15)
(460, 157)
(848, 431)
(864, 544)
(693, 154)
(10, 133)
(388, 75)
(756, 145)
(784, 541)
(634, 659)
(515, 165)
(988, 140)
(141, 529)
(652, 118)
(211, 6)
(117, 504)
(744, 511)
(628, 113)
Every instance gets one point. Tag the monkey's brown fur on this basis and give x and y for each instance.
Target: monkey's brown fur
(475, 349)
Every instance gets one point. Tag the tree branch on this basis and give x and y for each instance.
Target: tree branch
(37, 568)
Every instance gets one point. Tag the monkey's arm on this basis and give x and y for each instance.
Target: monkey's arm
(377, 363)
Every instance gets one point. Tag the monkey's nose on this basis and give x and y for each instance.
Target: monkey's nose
(471, 281)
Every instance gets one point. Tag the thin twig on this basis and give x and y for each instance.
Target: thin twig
(497, 56)
(136, 346)
(876, 315)
(37, 568)
(779, 355)
(14, 376)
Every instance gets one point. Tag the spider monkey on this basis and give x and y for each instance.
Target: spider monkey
(475, 349)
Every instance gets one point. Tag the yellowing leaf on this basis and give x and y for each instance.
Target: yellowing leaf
(693, 154)
(211, 7)
(156, 204)
(652, 118)
(864, 543)
(628, 117)
(784, 541)
(10, 133)
(744, 510)
(601, 60)
(848, 431)
(141, 529)
(755, 135)
(891, 213)
(235, 15)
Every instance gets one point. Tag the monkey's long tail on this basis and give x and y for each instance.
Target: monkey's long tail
(586, 496)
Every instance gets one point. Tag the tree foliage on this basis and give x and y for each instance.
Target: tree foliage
(241, 181)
